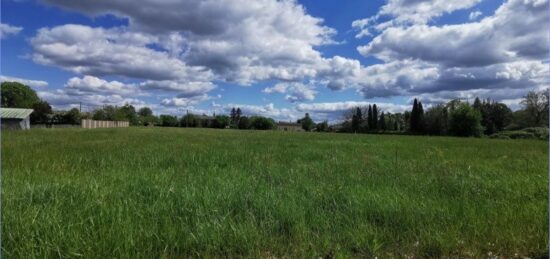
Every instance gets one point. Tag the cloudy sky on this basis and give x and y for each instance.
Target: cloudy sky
(275, 58)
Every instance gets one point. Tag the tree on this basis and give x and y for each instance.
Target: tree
(244, 123)
(72, 117)
(536, 106)
(17, 95)
(436, 120)
(369, 117)
(190, 120)
(374, 117)
(145, 112)
(322, 127)
(416, 117)
(168, 120)
(465, 121)
(127, 112)
(382, 122)
(239, 113)
(233, 115)
(221, 122)
(307, 123)
(42, 112)
(356, 119)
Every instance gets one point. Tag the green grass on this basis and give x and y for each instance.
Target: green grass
(157, 192)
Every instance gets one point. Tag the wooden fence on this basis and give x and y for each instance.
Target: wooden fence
(93, 124)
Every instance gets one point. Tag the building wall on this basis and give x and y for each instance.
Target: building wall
(285, 127)
(15, 124)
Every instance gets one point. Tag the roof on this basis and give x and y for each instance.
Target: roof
(15, 113)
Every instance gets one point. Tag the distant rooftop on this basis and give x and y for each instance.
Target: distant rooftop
(15, 113)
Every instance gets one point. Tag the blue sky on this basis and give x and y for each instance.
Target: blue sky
(275, 58)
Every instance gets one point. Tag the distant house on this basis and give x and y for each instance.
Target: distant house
(289, 126)
(16, 119)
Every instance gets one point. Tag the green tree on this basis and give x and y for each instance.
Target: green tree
(536, 106)
(322, 127)
(382, 122)
(145, 112)
(416, 117)
(17, 95)
(168, 120)
(370, 123)
(127, 112)
(262, 123)
(42, 113)
(465, 121)
(374, 117)
(356, 119)
(437, 120)
(72, 116)
(221, 122)
(307, 123)
(244, 123)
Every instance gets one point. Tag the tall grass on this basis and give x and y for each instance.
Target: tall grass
(157, 192)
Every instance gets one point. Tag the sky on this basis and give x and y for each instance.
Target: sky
(280, 59)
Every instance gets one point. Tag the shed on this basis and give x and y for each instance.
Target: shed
(15, 118)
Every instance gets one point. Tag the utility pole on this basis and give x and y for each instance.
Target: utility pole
(80, 109)
(187, 119)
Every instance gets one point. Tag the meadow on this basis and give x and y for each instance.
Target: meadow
(173, 192)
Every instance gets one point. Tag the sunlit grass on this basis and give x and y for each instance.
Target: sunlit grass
(154, 192)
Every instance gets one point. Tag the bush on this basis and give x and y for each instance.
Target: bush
(528, 133)
(244, 123)
(262, 123)
(168, 121)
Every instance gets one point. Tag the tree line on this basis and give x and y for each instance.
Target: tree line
(454, 118)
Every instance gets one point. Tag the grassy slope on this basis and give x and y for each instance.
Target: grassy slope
(178, 192)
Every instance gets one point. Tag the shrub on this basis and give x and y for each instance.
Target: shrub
(262, 123)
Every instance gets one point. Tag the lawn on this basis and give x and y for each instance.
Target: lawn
(172, 192)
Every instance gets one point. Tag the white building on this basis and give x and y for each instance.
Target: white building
(15, 118)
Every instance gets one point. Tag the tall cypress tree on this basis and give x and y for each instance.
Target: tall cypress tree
(233, 116)
(374, 117)
(420, 118)
(356, 119)
(414, 117)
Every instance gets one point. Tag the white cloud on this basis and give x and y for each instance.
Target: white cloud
(94, 85)
(295, 92)
(518, 31)
(9, 30)
(184, 101)
(245, 43)
(406, 12)
(29, 82)
(474, 15)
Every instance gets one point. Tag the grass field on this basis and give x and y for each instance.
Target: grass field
(158, 192)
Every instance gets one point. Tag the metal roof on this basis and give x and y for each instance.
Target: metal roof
(15, 113)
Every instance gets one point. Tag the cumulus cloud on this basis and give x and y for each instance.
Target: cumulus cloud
(246, 43)
(518, 31)
(61, 99)
(507, 50)
(406, 12)
(29, 82)
(9, 30)
(295, 92)
(116, 51)
(94, 85)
